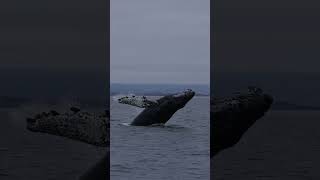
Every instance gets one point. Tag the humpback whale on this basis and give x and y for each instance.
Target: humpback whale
(81, 126)
(94, 129)
(231, 117)
(160, 110)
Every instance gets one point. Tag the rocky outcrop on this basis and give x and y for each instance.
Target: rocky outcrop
(232, 117)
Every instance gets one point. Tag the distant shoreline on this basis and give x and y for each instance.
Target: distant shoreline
(158, 89)
(151, 94)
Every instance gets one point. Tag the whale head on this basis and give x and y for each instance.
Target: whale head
(164, 110)
(232, 117)
(176, 101)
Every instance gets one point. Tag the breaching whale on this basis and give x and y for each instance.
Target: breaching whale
(231, 117)
(81, 126)
(158, 111)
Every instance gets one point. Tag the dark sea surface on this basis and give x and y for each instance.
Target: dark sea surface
(283, 145)
(177, 151)
(27, 155)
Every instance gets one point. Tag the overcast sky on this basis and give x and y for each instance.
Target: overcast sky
(267, 36)
(55, 34)
(163, 41)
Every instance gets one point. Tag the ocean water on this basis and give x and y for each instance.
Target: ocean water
(283, 145)
(177, 151)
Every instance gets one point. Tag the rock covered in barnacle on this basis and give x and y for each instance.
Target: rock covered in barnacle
(75, 124)
(231, 117)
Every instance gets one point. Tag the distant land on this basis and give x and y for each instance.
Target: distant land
(157, 89)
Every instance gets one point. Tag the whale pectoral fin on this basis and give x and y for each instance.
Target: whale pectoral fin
(134, 104)
(141, 102)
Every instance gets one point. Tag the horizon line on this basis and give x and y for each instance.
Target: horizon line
(129, 83)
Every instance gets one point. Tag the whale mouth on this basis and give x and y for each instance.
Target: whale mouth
(181, 99)
(187, 93)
